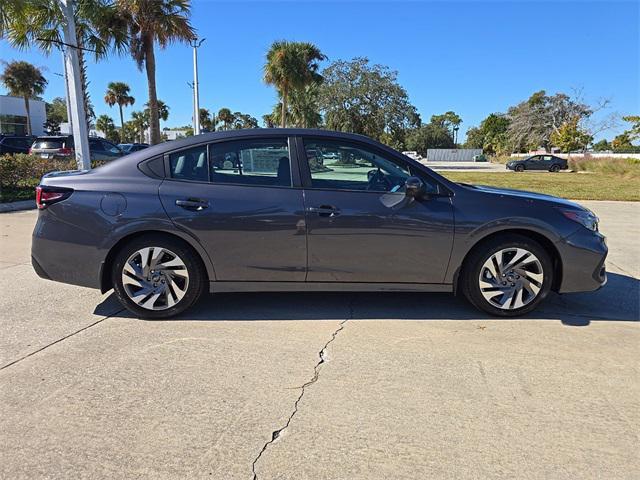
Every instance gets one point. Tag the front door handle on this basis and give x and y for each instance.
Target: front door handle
(325, 210)
(193, 204)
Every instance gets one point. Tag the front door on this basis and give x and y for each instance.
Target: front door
(361, 225)
(236, 198)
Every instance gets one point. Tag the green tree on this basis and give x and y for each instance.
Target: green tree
(634, 131)
(163, 111)
(56, 114)
(39, 23)
(205, 120)
(431, 135)
(118, 93)
(450, 121)
(25, 80)
(361, 98)
(602, 146)
(140, 122)
(570, 136)
(305, 108)
(532, 122)
(491, 135)
(104, 123)
(226, 117)
(149, 22)
(292, 66)
(243, 120)
(622, 143)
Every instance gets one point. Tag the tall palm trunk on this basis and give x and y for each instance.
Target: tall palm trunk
(121, 124)
(26, 107)
(150, 66)
(283, 114)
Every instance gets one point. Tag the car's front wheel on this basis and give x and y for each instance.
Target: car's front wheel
(519, 168)
(157, 277)
(508, 276)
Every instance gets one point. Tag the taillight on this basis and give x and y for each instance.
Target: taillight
(46, 196)
(64, 151)
(29, 151)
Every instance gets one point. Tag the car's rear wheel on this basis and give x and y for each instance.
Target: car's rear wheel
(519, 168)
(508, 276)
(554, 168)
(157, 277)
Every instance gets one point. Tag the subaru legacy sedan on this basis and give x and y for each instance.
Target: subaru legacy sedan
(255, 210)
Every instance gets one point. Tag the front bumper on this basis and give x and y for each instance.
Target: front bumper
(583, 255)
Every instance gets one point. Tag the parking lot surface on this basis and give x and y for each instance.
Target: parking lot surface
(320, 386)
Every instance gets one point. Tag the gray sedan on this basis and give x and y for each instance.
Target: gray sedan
(251, 210)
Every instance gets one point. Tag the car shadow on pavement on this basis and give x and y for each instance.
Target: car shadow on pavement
(619, 300)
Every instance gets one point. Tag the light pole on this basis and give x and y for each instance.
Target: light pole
(195, 43)
(76, 99)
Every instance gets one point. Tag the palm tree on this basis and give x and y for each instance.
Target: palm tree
(205, 119)
(140, 121)
(226, 117)
(148, 22)
(24, 80)
(291, 66)
(163, 110)
(104, 123)
(40, 23)
(118, 92)
(305, 110)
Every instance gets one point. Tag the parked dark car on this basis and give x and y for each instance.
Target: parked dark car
(61, 147)
(549, 163)
(242, 211)
(132, 147)
(15, 144)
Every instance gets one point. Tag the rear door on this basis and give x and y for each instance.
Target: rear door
(361, 225)
(241, 199)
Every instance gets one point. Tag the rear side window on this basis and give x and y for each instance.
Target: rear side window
(190, 164)
(251, 162)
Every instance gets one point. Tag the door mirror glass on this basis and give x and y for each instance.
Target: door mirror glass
(414, 187)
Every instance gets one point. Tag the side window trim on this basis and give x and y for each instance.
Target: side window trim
(294, 164)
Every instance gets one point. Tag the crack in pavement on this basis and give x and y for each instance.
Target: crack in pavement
(316, 373)
(61, 339)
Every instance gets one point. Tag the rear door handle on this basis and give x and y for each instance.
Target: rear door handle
(193, 204)
(325, 210)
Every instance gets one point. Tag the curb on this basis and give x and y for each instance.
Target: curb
(17, 206)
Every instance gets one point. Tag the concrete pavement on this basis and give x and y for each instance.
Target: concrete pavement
(335, 386)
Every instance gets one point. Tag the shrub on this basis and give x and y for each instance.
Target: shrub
(626, 167)
(22, 172)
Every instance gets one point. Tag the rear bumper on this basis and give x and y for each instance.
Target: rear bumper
(61, 252)
(583, 261)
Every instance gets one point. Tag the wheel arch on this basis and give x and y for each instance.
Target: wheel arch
(105, 275)
(538, 237)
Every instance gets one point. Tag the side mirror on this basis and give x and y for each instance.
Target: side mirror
(414, 187)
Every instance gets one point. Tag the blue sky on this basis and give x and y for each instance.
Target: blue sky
(470, 57)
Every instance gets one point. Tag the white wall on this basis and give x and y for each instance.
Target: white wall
(15, 106)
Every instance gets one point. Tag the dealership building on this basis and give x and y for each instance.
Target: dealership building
(13, 116)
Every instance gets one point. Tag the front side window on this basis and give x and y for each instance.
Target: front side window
(190, 164)
(251, 162)
(344, 166)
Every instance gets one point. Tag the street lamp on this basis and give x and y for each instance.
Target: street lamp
(195, 43)
(455, 136)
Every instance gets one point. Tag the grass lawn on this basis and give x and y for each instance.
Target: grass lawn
(577, 186)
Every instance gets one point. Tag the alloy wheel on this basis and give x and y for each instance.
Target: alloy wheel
(511, 278)
(155, 278)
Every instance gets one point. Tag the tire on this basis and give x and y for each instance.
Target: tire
(554, 168)
(166, 292)
(533, 277)
(519, 168)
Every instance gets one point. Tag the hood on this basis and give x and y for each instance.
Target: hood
(533, 196)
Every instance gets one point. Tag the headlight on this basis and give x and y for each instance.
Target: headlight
(585, 218)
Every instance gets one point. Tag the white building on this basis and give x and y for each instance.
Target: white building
(13, 116)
